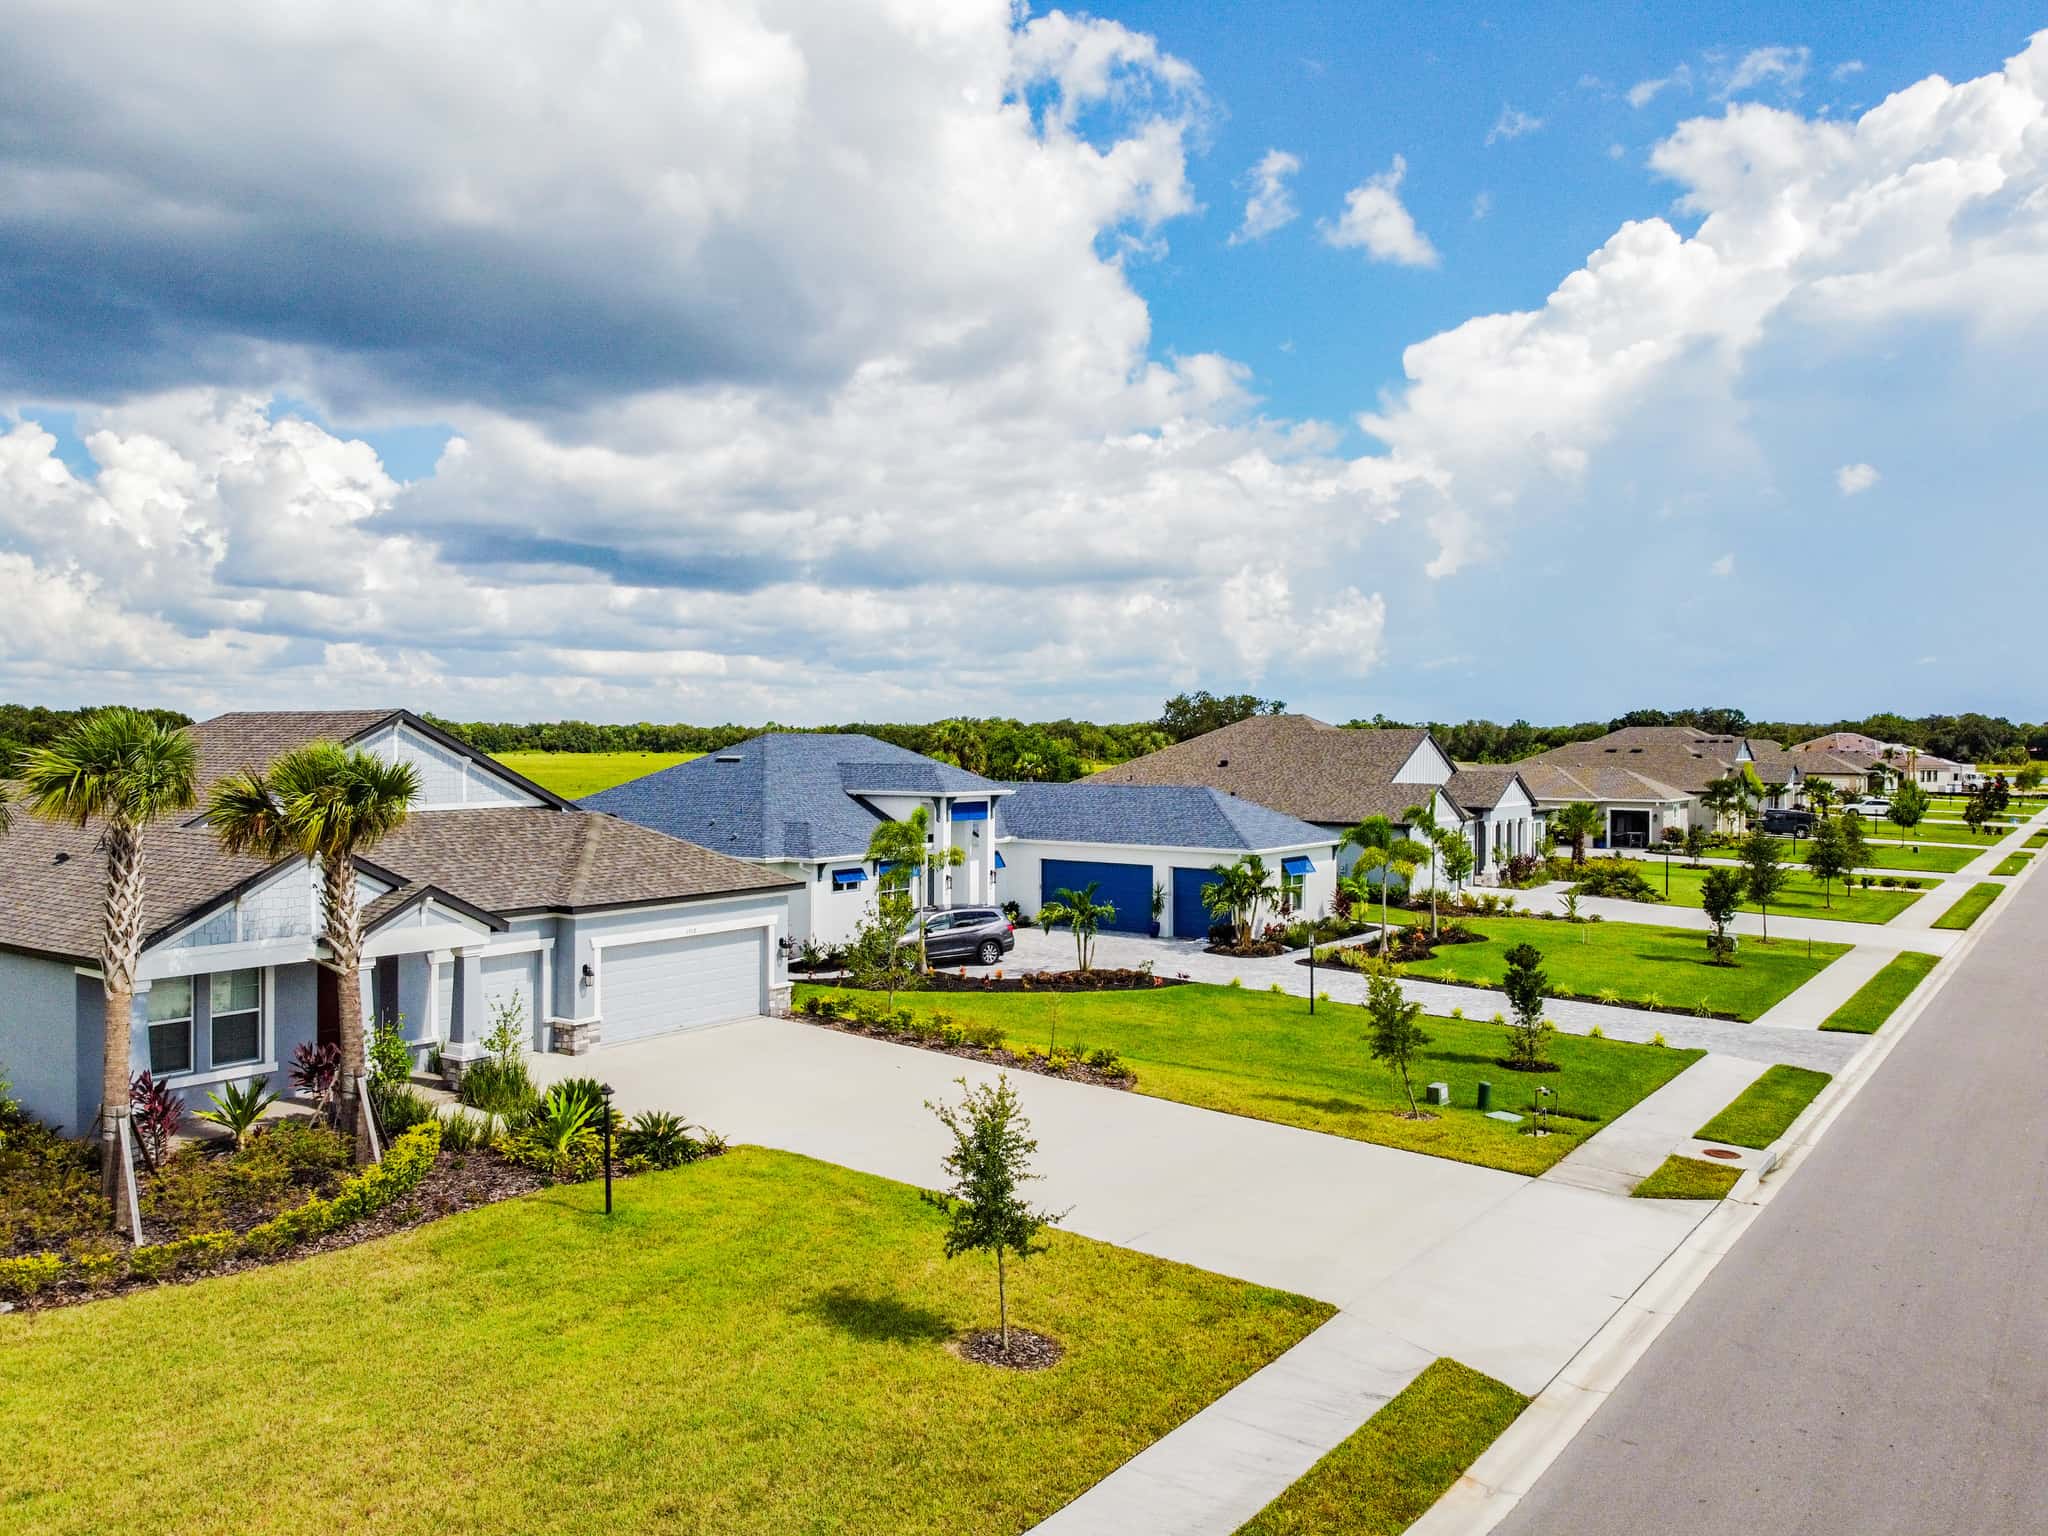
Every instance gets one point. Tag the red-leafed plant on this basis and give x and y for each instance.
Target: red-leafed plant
(316, 1072)
(154, 1113)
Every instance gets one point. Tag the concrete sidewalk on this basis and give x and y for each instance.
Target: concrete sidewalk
(1633, 1146)
(1810, 1006)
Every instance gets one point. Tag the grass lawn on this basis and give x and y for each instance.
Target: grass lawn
(1880, 836)
(572, 775)
(1920, 858)
(1637, 962)
(755, 1344)
(2038, 840)
(1801, 897)
(1687, 1178)
(1971, 907)
(1760, 1113)
(1877, 998)
(1399, 1462)
(2013, 864)
(1260, 1054)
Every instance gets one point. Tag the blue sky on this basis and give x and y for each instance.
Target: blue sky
(780, 359)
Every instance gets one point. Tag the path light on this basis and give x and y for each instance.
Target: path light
(604, 1092)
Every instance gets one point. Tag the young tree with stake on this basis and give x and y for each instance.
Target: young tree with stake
(1720, 895)
(1525, 985)
(1394, 1034)
(991, 1157)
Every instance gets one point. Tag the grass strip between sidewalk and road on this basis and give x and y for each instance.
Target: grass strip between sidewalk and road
(1687, 1178)
(1878, 998)
(756, 1345)
(2013, 864)
(1390, 1471)
(1759, 1114)
(1971, 907)
(1261, 1055)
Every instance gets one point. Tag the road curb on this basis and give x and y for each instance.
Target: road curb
(1510, 1467)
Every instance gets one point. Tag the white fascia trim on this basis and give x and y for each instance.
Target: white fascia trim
(521, 944)
(197, 961)
(406, 939)
(768, 920)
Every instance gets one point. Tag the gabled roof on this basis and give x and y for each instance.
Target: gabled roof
(1479, 786)
(785, 794)
(1679, 756)
(1151, 815)
(1551, 782)
(1291, 763)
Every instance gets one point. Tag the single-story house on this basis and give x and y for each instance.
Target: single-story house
(1886, 759)
(806, 805)
(494, 897)
(1334, 777)
(1648, 779)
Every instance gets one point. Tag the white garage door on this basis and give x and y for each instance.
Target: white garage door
(653, 989)
(507, 977)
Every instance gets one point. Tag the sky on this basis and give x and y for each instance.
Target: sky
(891, 359)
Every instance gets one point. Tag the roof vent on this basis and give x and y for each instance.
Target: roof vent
(728, 757)
(1222, 762)
(61, 858)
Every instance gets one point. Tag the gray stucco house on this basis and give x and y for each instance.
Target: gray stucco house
(493, 891)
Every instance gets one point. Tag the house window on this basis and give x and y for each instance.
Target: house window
(235, 1002)
(170, 1026)
(1294, 891)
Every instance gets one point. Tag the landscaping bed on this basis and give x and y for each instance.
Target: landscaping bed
(753, 1346)
(1262, 1055)
(856, 1014)
(1095, 979)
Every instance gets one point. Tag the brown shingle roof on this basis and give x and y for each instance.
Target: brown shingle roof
(1292, 763)
(255, 739)
(1479, 786)
(1556, 781)
(1675, 755)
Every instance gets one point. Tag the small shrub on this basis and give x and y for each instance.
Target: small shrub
(462, 1131)
(1596, 1033)
(500, 1087)
(1608, 996)
(316, 1072)
(238, 1106)
(1658, 1038)
(154, 1113)
(30, 1275)
(1237, 981)
(390, 1056)
(398, 1107)
(1276, 987)
(558, 1140)
(662, 1139)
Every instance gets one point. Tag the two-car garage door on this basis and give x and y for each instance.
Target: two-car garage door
(665, 985)
(1127, 887)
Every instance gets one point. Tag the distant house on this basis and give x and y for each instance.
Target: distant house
(493, 891)
(805, 805)
(1848, 753)
(1334, 777)
(1648, 780)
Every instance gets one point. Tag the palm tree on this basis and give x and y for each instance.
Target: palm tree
(123, 769)
(1260, 889)
(1820, 795)
(1577, 820)
(328, 804)
(1422, 818)
(1083, 911)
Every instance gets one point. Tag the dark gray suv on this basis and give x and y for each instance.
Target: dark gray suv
(976, 935)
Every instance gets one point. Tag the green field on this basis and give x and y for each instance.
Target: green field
(1877, 999)
(753, 1346)
(572, 775)
(1639, 963)
(1261, 1055)
(1387, 1474)
(1971, 907)
(1801, 897)
(1760, 1114)
(1880, 835)
(1687, 1178)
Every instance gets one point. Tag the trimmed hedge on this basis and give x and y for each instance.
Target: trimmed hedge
(404, 1168)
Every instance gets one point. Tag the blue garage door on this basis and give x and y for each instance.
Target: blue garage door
(1191, 919)
(1127, 887)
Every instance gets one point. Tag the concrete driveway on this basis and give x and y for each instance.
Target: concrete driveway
(1508, 1274)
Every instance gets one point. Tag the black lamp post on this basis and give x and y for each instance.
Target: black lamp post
(605, 1092)
(1311, 975)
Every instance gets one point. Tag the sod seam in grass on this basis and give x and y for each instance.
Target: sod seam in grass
(1878, 998)
(1393, 1468)
(1687, 1178)
(1971, 907)
(1759, 1114)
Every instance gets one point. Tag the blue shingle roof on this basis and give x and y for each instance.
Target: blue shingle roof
(783, 795)
(1151, 815)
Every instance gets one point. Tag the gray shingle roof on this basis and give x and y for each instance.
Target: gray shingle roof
(783, 795)
(1155, 815)
(1292, 763)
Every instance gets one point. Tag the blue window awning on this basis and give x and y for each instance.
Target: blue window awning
(970, 810)
(999, 860)
(845, 877)
(1298, 865)
(885, 866)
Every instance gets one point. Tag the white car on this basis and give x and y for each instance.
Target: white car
(1870, 807)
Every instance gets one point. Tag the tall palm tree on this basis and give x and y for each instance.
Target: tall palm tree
(326, 803)
(122, 769)
(906, 847)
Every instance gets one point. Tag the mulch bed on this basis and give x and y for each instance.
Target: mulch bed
(1258, 949)
(1028, 1351)
(989, 1056)
(1107, 980)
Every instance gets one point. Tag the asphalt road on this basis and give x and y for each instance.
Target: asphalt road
(1873, 1354)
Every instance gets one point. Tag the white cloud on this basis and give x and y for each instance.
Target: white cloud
(1512, 123)
(1779, 66)
(1375, 219)
(1271, 203)
(1725, 566)
(1643, 92)
(1854, 479)
(1482, 205)
(1845, 69)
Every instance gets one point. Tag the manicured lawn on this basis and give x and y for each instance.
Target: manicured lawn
(1879, 836)
(1760, 1113)
(1637, 962)
(1687, 1178)
(1399, 1462)
(2013, 864)
(1879, 997)
(572, 775)
(1971, 907)
(2038, 840)
(1918, 857)
(755, 1344)
(1801, 897)
(1261, 1055)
